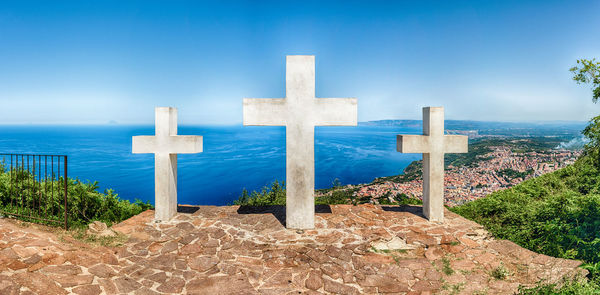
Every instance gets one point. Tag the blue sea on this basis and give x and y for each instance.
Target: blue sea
(234, 157)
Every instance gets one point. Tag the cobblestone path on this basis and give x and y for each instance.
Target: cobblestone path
(361, 249)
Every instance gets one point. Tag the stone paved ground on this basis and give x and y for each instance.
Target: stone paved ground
(227, 250)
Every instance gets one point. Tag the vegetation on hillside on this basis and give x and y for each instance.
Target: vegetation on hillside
(84, 203)
(587, 71)
(478, 149)
(557, 214)
(337, 194)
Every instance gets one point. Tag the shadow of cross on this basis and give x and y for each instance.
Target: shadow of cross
(300, 111)
(165, 145)
(433, 144)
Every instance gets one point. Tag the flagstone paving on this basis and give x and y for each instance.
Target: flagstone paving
(363, 249)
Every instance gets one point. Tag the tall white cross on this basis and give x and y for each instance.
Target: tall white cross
(165, 145)
(433, 144)
(300, 112)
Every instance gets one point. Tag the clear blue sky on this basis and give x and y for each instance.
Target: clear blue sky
(96, 61)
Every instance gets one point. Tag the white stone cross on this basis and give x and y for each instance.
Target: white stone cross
(165, 146)
(433, 144)
(300, 112)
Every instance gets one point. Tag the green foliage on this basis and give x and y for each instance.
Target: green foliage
(45, 199)
(557, 214)
(588, 72)
(274, 195)
(338, 196)
(592, 132)
(385, 199)
(81, 234)
(86, 204)
(446, 269)
(403, 199)
(577, 286)
(500, 272)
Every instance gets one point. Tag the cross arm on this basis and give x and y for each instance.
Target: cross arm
(456, 144)
(412, 144)
(176, 144)
(336, 111)
(143, 144)
(264, 111)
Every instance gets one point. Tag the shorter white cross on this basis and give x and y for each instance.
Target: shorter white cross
(433, 144)
(165, 146)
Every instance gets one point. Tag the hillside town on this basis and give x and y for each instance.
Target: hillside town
(501, 168)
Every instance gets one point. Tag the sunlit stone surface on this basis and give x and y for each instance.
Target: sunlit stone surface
(300, 112)
(165, 145)
(433, 144)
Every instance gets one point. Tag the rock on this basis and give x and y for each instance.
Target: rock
(102, 271)
(100, 229)
(62, 269)
(314, 281)
(8, 286)
(67, 281)
(353, 249)
(203, 263)
(126, 285)
(87, 290)
(395, 243)
(33, 259)
(216, 285)
(159, 277)
(38, 283)
(173, 285)
(338, 288)
(108, 286)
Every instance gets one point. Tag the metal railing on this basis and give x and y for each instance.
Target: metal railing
(34, 187)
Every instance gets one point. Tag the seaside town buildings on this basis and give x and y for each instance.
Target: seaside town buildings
(463, 184)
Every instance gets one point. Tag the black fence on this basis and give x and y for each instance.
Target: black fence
(34, 187)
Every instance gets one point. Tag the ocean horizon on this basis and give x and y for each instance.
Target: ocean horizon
(234, 158)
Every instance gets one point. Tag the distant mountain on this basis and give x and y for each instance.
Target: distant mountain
(541, 128)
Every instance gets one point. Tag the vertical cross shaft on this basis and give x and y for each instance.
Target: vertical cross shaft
(433, 144)
(165, 170)
(165, 145)
(433, 164)
(300, 112)
(300, 142)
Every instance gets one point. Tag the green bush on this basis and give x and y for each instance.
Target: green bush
(274, 195)
(403, 199)
(45, 199)
(557, 214)
(570, 287)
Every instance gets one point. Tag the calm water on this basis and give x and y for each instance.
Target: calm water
(234, 157)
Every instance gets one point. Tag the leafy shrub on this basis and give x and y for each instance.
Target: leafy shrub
(500, 272)
(557, 214)
(84, 203)
(575, 286)
(275, 195)
(403, 199)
